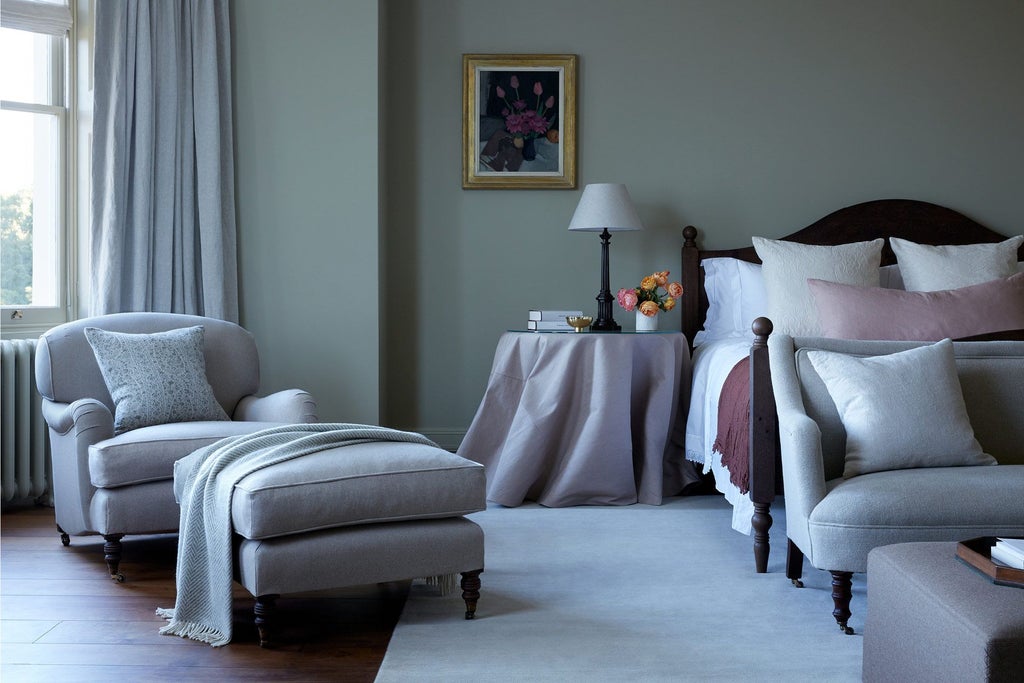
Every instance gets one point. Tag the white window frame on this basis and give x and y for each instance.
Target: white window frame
(31, 321)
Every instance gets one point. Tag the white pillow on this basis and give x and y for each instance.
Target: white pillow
(927, 268)
(788, 266)
(902, 410)
(736, 295)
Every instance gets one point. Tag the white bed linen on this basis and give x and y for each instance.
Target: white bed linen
(712, 362)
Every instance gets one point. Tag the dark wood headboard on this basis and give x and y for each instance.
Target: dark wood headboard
(907, 219)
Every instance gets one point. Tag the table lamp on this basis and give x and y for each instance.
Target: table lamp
(605, 208)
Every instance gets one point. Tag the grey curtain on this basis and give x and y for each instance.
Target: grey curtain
(163, 215)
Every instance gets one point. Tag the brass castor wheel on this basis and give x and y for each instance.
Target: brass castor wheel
(118, 577)
(798, 583)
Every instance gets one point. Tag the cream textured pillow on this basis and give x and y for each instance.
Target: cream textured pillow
(788, 265)
(902, 410)
(155, 378)
(927, 268)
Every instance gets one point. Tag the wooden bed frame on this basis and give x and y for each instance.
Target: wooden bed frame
(912, 220)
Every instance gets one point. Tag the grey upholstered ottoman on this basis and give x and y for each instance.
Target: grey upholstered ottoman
(366, 513)
(930, 617)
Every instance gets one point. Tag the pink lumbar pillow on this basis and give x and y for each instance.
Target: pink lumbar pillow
(855, 312)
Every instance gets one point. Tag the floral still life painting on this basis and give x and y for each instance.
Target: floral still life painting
(519, 121)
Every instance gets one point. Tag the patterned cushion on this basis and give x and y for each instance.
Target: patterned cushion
(155, 378)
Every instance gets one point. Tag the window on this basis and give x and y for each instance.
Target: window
(34, 187)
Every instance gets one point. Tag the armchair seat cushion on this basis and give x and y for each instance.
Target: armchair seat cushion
(149, 453)
(924, 504)
(359, 484)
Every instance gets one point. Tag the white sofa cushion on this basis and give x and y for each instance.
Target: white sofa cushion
(900, 410)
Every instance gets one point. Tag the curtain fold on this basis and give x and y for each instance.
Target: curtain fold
(163, 214)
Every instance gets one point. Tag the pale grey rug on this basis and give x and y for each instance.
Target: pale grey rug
(636, 593)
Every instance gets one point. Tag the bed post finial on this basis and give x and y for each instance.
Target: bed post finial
(762, 329)
(689, 236)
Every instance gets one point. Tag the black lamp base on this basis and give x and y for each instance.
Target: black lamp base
(605, 321)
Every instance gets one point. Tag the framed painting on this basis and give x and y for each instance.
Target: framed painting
(519, 121)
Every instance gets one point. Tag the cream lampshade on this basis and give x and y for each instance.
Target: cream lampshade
(605, 208)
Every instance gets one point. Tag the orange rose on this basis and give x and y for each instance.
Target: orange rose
(674, 289)
(649, 308)
(661, 277)
(648, 283)
(669, 303)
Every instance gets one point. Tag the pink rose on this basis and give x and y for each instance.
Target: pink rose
(627, 298)
(674, 289)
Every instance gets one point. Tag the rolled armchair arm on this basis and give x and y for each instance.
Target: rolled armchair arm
(290, 405)
(73, 428)
(90, 419)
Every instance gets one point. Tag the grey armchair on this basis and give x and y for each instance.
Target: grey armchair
(115, 484)
(835, 521)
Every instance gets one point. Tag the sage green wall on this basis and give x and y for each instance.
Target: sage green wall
(741, 117)
(306, 78)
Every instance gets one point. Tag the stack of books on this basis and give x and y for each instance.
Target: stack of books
(1009, 551)
(550, 320)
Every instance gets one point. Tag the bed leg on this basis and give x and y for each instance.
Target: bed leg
(762, 522)
(794, 563)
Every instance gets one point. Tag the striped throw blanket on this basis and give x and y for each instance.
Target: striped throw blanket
(202, 608)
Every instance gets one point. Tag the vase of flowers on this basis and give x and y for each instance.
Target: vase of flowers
(523, 123)
(655, 294)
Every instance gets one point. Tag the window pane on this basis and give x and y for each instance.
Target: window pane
(29, 209)
(26, 76)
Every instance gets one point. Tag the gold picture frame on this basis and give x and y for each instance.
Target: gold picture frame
(518, 121)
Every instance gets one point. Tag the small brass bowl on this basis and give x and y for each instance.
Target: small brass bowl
(579, 322)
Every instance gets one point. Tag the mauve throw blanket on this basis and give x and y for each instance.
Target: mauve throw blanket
(733, 439)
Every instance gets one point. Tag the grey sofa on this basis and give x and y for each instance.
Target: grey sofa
(834, 522)
(117, 484)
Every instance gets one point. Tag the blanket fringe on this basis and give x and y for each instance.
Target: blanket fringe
(444, 582)
(188, 629)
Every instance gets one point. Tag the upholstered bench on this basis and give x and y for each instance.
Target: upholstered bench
(364, 513)
(930, 617)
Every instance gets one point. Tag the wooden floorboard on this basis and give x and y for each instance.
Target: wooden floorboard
(62, 619)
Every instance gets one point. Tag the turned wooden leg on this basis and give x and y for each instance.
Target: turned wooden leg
(112, 554)
(264, 610)
(794, 563)
(842, 593)
(65, 540)
(471, 591)
(761, 520)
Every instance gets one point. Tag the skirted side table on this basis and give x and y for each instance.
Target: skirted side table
(584, 419)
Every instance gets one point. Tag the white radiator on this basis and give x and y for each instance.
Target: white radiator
(24, 443)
